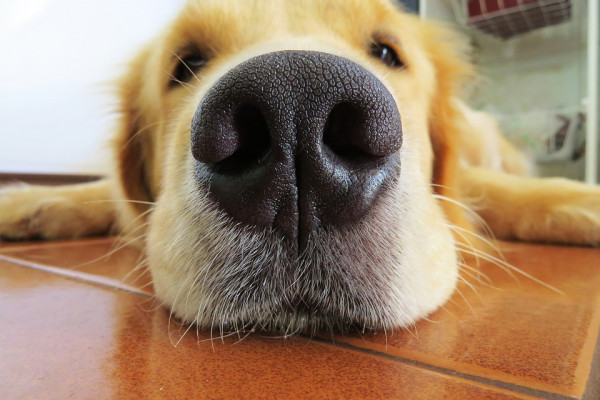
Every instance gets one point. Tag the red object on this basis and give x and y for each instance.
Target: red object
(474, 8)
(492, 6)
(508, 18)
(481, 7)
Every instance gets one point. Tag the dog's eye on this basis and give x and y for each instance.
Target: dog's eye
(186, 69)
(386, 54)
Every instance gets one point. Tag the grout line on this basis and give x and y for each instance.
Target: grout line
(473, 378)
(592, 390)
(12, 246)
(78, 276)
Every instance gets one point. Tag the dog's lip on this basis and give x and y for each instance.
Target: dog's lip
(300, 305)
(309, 317)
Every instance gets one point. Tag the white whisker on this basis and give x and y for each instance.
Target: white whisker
(466, 301)
(476, 274)
(469, 210)
(186, 66)
(139, 132)
(509, 268)
(470, 285)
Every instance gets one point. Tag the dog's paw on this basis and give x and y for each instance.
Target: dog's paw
(579, 218)
(571, 215)
(29, 212)
(554, 210)
(40, 212)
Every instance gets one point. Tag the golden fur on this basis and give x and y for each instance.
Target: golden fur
(402, 258)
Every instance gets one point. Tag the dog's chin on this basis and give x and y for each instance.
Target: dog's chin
(374, 274)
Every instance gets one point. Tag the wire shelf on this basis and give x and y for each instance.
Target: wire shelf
(505, 19)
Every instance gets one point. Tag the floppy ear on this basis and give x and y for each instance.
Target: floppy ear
(134, 142)
(449, 53)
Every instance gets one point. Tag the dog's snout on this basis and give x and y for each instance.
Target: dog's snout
(296, 140)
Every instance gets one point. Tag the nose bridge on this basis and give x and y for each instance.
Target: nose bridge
(296, 139)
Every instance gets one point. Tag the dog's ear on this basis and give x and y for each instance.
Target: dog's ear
(449, 53)
(134, 141)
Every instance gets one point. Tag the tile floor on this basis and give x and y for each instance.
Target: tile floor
(78, 323)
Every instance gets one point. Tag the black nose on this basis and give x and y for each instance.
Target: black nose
(296, 140)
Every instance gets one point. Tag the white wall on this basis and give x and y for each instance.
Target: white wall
(439, 10)
(57, 58)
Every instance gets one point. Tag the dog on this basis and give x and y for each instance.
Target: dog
(305, 165)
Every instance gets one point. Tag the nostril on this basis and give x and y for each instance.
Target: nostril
(296, 140)
(253, 141)
(344, 135)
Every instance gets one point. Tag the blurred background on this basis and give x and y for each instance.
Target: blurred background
(538, 60)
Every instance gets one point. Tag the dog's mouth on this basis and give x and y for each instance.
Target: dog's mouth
(261, 284)
(301, 318)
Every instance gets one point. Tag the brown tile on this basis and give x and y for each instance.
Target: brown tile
(67, 339)
(104, 260)
(519, 332)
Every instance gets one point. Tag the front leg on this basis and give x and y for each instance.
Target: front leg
(534, 209)
(56, 212)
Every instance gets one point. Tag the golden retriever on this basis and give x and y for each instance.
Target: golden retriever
(303, 165)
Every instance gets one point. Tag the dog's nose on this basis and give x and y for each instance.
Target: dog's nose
(296, 140)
